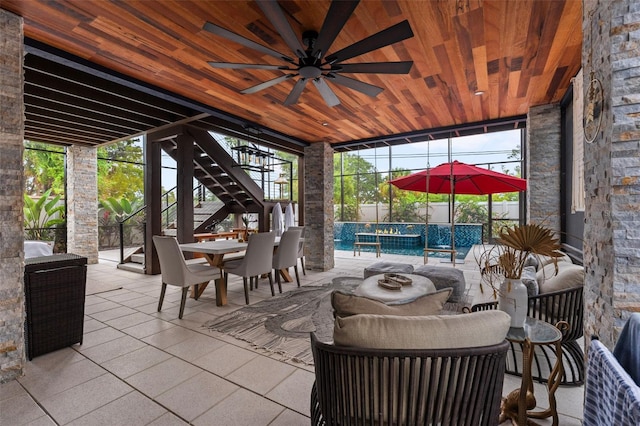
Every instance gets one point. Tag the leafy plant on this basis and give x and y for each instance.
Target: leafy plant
(508, 257)
(121, 209)
(41, 214)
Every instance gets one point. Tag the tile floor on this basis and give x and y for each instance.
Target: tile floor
(137, 366)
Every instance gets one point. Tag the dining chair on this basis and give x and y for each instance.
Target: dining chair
(300, 247)
(286, 254)
(176, 272)
(256, 261)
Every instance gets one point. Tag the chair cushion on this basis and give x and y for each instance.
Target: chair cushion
(569, 275)
(346, 304)
(443, 277)
(384, 267)
(529, 279)
(422, 332)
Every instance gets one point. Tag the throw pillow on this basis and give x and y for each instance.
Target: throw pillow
(346, 304)
(481, 328)
(530, 280)
(568, 276)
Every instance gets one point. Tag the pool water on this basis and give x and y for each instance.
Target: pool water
(410, 251)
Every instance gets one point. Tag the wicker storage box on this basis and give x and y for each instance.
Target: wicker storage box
(54, 289)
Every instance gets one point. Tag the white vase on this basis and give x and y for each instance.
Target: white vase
(514, 300)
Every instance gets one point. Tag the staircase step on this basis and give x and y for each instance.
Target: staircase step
(132, 267)
(138, 258)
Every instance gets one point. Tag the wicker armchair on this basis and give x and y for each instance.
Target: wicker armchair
(564, 305)
(437, 386)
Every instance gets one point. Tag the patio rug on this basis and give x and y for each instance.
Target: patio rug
(282, 323)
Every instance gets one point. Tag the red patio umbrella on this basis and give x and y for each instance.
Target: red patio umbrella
(459, 178)
(466, 179)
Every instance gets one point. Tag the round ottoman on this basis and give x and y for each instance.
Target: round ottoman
(386, 267)
(443, 277)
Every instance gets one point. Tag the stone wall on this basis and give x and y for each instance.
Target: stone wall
(318, 207)
(543, 165)
(611, 51)
(82, 202)
(12, 351)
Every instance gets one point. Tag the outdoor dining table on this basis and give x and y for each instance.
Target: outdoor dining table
(214, 252)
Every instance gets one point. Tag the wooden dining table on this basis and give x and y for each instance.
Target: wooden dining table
(214, 252)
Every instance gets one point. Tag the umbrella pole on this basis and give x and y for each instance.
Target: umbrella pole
(453, 210)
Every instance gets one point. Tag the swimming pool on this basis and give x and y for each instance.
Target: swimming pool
(408, 251)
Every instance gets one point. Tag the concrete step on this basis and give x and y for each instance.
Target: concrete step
(138, 258)
(132, 267)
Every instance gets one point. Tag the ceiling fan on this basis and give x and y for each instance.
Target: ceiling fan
(312, 62)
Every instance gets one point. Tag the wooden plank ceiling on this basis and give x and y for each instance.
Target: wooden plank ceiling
(517, 53)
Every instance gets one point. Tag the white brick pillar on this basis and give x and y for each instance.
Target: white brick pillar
(318, 207)
(82, 202)
(12, 351)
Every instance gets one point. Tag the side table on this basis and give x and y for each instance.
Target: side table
(537, 332)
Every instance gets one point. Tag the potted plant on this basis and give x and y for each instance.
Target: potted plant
(245, 232)
(502, 265)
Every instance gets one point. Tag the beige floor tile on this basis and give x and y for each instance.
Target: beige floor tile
(110, 314)
(11, 390)
(136, 361)
(195, 347)
(20, 409)
(148, 328)
(92, 325)
(161, 377)
(60, 378)
(294, 391)
(168, 419)
(140, 301)
(261, 374)
(195, 396)
(225, 360)
(129, 320)
(290, 418)
(169, 337)
(42, 421)
(132, 409)
(105, 305)
(112, 349)
(241, 408)
(84, 398)
(100, 336)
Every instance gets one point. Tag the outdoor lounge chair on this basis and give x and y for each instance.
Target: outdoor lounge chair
(563, 305)
(458, 386)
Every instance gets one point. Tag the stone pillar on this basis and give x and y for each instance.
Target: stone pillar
(543, 165)
(12, 351)
(82, 202)
(318, 207)
(611, 51)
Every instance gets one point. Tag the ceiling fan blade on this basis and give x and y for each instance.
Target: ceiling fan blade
(375, 67)
(275, 15)
(383, 38)
(295, 92)
(337, 16)
(237, 66)
(360, 86)
(327, 94)
(229, 35)
(262, 86)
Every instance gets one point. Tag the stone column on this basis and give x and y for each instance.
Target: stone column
(543, 165)
(12, 351)
(82, 202)
(611, 55)
(318, 207)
